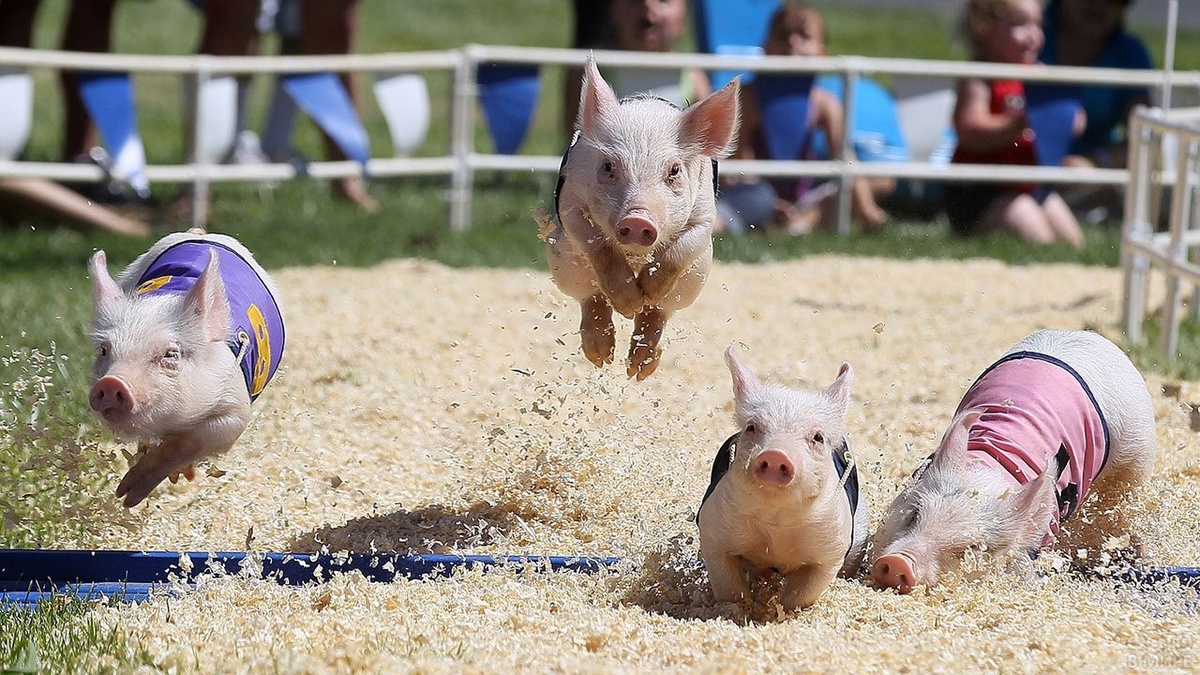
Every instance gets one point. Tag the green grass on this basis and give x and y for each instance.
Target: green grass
(60, 636)
(54, 476)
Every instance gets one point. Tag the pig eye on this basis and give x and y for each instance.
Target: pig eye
(750, 428)
(102, 350)
(675, 170)
(172, 354)
(818, 438)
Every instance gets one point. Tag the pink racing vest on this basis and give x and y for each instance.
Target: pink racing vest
(1037, 408)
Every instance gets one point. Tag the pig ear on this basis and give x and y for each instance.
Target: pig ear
(744, 381)
(710, 126)
(1030, 506)
(597, 102)
(104, 289)
(952, 453)
(206, 301)
(839, 391)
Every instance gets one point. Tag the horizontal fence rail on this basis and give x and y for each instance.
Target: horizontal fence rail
(461, 160)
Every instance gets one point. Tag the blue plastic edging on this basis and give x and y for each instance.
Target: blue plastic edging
(28, 576)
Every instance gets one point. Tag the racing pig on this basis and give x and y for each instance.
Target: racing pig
(634, 211)
(784, 495)
(186, 337)
(1063, 416)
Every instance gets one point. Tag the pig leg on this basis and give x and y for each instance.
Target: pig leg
(676, 278)
(644, 353)
(176, 455)
(728, 581)
(802, 587)
(155, 464)
(596, 330)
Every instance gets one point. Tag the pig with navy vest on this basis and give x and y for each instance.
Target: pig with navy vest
(1062, 419)
(784, 495)
(634, 212)
(186, 338)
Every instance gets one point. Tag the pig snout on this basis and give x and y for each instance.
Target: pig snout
(772, 467)
(637, 229)
(894, 570)
(111, 397)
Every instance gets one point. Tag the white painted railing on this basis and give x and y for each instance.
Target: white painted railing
(461, 160)
(1164, 166)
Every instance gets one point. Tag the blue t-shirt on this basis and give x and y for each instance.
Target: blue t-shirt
(1107, 106)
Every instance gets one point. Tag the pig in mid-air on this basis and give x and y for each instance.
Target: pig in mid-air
(1063, 416)
(186, 338)
(635, 207)
(784, 495)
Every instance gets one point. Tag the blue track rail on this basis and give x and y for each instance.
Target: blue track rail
(28, 576)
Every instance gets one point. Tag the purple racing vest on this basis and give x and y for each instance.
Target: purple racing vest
(256, 324)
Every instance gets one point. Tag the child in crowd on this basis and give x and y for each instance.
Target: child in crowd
(1092, 33)
(992, 127)
(747, 202)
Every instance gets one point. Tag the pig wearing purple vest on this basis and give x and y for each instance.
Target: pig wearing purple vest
(186, 337)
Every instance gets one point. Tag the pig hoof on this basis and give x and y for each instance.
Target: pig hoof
(598, 346)
(596, 331)
(643, 361)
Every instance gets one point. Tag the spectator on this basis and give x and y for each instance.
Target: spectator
(1092, 33)
(646, 26)
(88, 29)
(326, 27)
(990, 120)
(796, 29)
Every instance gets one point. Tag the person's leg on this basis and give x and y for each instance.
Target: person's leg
(1019, 214)
(16, 22)
(229, 28)
(1062, 220)
(328, 27)
(89, 29)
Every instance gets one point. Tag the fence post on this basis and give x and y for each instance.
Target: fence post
(200, 182)
(1177, 248)
(462, 138)
(1137, 232)
(850, 105)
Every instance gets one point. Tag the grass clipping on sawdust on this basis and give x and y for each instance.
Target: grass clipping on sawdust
(425, 409)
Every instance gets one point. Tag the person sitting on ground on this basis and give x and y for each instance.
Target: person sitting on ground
(748, 202)
(1092, 33)
(992, 126)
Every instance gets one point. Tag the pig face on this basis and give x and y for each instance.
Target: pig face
(951, 507)
(787, 436)
(641, 167)
(161, 359)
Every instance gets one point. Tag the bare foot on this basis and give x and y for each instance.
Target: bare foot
(353, 190)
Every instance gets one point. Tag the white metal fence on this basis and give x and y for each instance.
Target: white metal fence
(461, 160)
(1164, 168)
